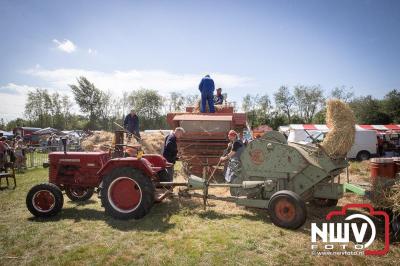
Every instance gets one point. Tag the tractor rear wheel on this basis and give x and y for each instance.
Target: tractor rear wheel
(287, 209)
(320, 202)
(44, 200)
(127, 193)
(79, 194)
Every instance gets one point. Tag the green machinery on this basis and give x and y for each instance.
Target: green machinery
(281, 177)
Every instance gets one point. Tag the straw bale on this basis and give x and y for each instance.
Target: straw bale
(386, 195)
(341, 121)
(152, 143)
(98, 141)
(217, 107)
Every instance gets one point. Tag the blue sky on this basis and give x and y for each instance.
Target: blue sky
(247, 46)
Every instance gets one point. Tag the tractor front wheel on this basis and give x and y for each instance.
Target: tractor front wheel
(127, 193)
(287, 209)
(44, 200)
(79, 194)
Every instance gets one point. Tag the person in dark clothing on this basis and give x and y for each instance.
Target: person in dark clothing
(236, 147)
(131, 124)
(207, 87)
(170, 151)
(219, 98)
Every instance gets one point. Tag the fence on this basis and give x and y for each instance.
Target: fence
(37, 155)
(35, 158)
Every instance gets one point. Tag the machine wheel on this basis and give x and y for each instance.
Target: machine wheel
(127, 193)
(44, 200)
(287, 209)
(363, 156)
(79, 194)
(320, 202)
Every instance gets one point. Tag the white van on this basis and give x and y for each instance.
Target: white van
(365, 142)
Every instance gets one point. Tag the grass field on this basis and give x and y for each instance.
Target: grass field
(176, 232)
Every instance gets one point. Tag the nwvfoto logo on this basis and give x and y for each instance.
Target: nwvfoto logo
(337, 235)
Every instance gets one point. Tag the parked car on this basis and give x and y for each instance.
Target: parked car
(364, 147)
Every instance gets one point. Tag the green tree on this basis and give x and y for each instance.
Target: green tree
(320, 117)
(249, 104)
(18, 122)
(368, 110)
(276, 119)
(391, 105)
(284, 101)
(343, 93)
(66, 106)
(191, 99)
(309, 100)
(89, 98)
(38, 108)
(262, 109)
(148, 105)
(176, 102)
(2, 124)
(125, 104)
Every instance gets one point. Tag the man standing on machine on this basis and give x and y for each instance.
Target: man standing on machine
(206, 89)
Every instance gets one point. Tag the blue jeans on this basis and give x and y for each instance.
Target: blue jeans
(207, 97)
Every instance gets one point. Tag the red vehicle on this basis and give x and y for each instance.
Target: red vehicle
(27, 134)
(126, 186)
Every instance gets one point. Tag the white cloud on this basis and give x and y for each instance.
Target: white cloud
(13, 103)
(65, 46)
(14, 95)
(92, 51)
(14, 89)
(119, 81)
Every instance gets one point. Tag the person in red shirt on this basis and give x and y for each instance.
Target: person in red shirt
(3, 150)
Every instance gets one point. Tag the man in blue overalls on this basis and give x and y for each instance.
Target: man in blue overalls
(207, 88)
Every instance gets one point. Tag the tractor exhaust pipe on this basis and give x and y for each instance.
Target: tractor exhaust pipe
(64, 143)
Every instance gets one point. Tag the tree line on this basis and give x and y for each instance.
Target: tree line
(307, 104)
(101, 110)
(98, 109)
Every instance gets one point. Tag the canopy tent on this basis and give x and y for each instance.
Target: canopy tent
(48, 131)
(322, 127)
(7, 134)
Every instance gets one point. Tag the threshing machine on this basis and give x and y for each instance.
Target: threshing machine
(206, 136)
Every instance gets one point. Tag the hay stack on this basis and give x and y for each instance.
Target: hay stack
(217, 107)
(98, 141)
(341, 121)
(153, 143)
(386, 195)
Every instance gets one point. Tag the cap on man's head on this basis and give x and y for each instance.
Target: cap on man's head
(219, 89)
(132, 110)
(232, 133)
(207, 76)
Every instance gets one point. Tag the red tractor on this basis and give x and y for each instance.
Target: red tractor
(126, 185)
